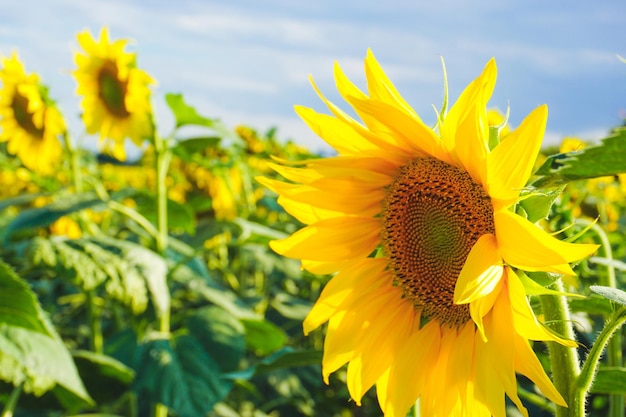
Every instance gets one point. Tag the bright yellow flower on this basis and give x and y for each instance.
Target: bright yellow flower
(418, 224)
(29, 121)
(570, 144)
(66, 226)
(116, 94)
(225, 191)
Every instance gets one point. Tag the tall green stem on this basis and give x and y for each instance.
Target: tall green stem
(11, 403)
(614, 349)
(564, 360)
(96, 340)
(93, 316)
(584, 381)
(162, 162)
(77, 176)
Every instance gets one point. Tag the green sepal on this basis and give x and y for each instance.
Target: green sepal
(532, 287)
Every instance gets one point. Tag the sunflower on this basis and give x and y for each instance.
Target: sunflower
(419, 226)
(29, 121)
(116, 94)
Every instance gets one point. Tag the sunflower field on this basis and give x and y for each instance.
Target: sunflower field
(455, 270)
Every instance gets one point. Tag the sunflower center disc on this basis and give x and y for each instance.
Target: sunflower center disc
(24, 117)
(433, 214)
(112, 90)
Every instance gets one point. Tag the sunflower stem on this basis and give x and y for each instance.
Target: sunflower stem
(77, 177)
(585, 379)
(162, 162)
(135, 216)
(564, 359)
(614, 349)
(11, 402)
(96, 340)
(95, 326)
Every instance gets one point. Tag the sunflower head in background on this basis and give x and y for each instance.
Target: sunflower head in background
(29, 120)
(115, 93)
(419, 227)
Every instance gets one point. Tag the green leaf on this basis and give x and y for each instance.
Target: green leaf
(184, 113)
(184, 377)
(291, 307)
(150, 266)
(18, 200)
(613, 294)
(257, 231)
(284, 358)
(594, 305)
(46, 215)
(19, 305)
(122, 346)
(263, 337)
(179, 216)
(537, 205)
(610, 380)
(220, 334)
(188, 148)
(106, 378)
(31, 352)
(608, 158)
(213, 292)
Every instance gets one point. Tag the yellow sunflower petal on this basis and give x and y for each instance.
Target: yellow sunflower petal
(323, 268)
(489, 371)
(481, 273)
(338, 134)
(348, 329)
(405, 132)
(351, 282)
(482, 306)
(465, 130)
(461, 364)
(380, 86)
(438, 397)
(335, 195)
(511, 162)
(527, 364)
(380, 343)
(525, 246)
(414, 361)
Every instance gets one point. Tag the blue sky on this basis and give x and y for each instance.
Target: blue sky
(248, 61)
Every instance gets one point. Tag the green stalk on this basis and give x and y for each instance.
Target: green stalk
(11, 403)
(564, 360)
(163, 159)
(136, 217)
(614, 349)
(162, 162)
(585, 379)
(77, 176)
(96, 340)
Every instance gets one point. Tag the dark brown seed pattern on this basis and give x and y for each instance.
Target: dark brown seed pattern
(433, 215)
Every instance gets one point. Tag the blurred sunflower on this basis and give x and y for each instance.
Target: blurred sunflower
(418, 224)
(116, 94)
(29, 120)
